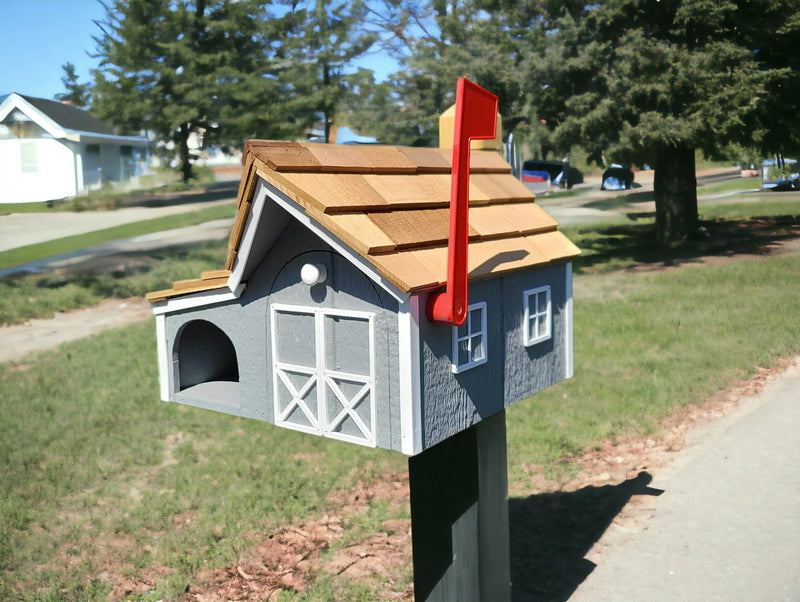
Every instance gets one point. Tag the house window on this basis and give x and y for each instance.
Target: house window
(538, 315)
(30, 157)
(469, 339)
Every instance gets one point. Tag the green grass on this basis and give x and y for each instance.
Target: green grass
(732, 185)
(760, 206)
(96, 472)
(100, 479)
(646, 345)
(70, 244)
(24, 297)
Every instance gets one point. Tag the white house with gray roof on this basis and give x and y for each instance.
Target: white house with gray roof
(52, 150)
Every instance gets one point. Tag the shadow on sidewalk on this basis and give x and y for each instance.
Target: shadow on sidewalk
(552, 532)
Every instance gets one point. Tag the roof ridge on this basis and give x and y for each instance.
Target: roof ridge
(318, 157)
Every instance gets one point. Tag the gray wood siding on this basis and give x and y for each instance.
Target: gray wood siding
(528, 370)
(246, 322)
(453, 402)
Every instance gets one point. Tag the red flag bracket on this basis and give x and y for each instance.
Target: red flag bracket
(476, 119)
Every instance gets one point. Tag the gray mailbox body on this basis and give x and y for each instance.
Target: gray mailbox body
(318, 321)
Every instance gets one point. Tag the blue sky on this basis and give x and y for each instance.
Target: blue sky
(39, 36)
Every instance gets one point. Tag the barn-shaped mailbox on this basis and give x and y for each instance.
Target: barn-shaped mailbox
(318, 321)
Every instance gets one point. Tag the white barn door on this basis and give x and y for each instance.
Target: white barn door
(323, 371)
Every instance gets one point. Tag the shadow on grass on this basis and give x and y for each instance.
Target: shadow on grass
(552, 532)
(635, 243)
(216, 191)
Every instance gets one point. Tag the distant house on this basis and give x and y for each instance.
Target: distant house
(52, 150)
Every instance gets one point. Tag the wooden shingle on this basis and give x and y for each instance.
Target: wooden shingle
(391, 206)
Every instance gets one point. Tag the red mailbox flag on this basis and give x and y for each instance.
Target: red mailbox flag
(476, 118)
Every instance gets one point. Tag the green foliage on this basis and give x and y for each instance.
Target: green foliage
(193, 66)
(651, 81)
(78, 94)
(321, 49)
(628, 79)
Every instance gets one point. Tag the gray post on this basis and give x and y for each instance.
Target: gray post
(459, 517)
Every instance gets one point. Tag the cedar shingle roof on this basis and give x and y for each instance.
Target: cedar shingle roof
(391, 205)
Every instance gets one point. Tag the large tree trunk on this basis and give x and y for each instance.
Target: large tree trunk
(183, 153)
(675, 191)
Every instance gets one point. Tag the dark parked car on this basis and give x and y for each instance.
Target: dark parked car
(782, 183)
(790, 182)
(559, 173)
(617, 177)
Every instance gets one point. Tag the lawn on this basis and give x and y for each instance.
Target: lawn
(106, 490)
(24, 297)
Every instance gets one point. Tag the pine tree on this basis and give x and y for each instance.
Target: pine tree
(78, 94)
(654, 80)
(439, 42)
(192, 66)
(321, 50)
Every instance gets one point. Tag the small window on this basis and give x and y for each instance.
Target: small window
(469, 339)
(537, 326)
(29, 153)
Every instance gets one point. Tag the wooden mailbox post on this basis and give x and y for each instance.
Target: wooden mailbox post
(328, 319)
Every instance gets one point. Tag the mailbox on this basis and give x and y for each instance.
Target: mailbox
(318, 321)
(391, 297)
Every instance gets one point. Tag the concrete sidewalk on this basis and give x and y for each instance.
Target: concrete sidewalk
(727, 526)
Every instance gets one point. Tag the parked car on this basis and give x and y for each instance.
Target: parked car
(558, 173)
(784, 181)
(790, 182)
(617, 177)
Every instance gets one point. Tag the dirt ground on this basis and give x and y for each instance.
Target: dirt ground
(288, 558)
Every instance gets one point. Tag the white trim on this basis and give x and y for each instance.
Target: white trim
(15, 100)
(248, 236)
(164, 359)
(410, 376)
(197, 300)
(569, 368)
(97, 138)
(533, 293)
(323, 377)
(340, 246)
(471, 333)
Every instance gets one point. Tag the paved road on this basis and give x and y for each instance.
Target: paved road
(20, 229)
(727, 526)
(177, 237)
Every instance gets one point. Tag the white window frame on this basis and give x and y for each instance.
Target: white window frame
(469, 336)
(533, 310)
(321, 422)
(29, 157)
